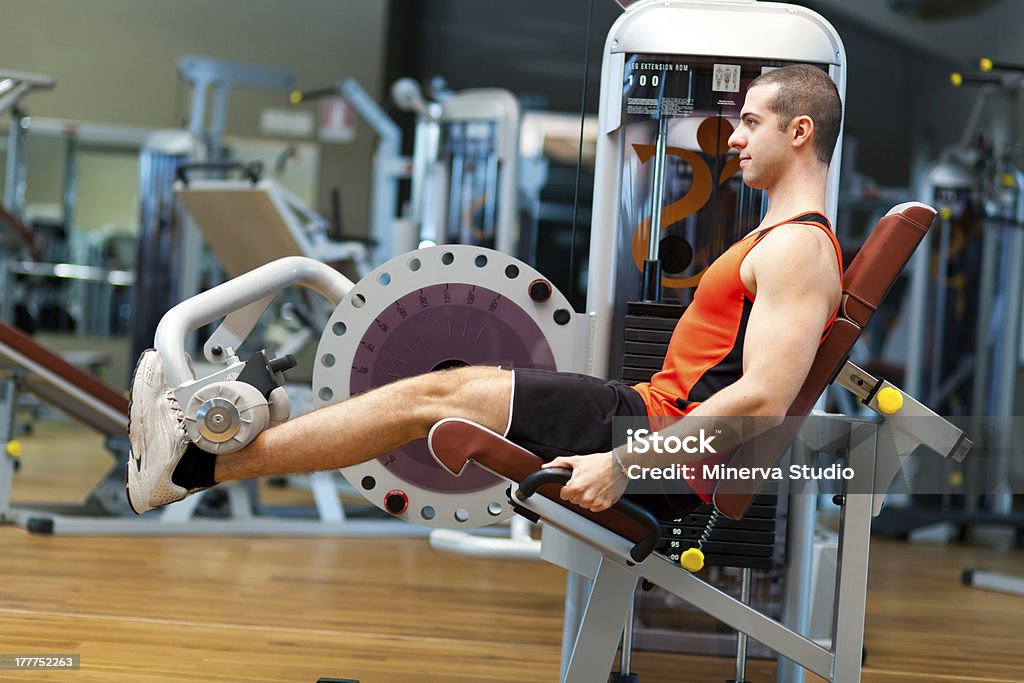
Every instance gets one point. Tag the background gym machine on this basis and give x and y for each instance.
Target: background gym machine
(964, 322)
(170, 247)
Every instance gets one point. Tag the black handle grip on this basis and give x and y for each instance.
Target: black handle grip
(642, 516)
(253, 170)
(542, 477)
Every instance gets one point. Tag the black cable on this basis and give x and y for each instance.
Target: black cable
(579, 154)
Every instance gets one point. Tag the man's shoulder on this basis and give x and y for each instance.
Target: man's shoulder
(798, 235)
(796, 249)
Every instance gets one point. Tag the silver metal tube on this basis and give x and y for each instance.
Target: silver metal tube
(457, 148)
(593, 651)
(1011, 328)
(14, 183)
(70, 194)
(11, 97)
(796, 607)
(10, 176)
(918, 316)
(852, 560)
(974, 118)
(986, 371)
(577, 592)
(491, 204)
(939, 323)
(425, 150)
(9, 389)
(463, 543)
(189, 244)
(232, 295)
(993, 581)
(658, 188)
(218, 119)
(384, 193)
(197, 114)
(387, 130)
(627, 637)
(741, 637)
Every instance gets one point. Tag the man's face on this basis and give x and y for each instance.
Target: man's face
(764, 149)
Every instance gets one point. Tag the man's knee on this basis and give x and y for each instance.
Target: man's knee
(477, 393)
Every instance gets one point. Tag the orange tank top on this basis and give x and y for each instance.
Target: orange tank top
(705, 353)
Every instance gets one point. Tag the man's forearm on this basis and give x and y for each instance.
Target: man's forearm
(722, 423)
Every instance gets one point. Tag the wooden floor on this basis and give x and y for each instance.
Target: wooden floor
(389, 611)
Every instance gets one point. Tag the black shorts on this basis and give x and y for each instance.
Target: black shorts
(562, 413)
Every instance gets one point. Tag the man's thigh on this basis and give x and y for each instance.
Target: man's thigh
(558, 413)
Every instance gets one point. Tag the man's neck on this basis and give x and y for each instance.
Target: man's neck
(795, 194)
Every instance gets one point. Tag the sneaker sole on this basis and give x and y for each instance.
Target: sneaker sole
(131, 400)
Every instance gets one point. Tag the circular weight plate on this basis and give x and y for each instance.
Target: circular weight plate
(445, 326)
(432, 309)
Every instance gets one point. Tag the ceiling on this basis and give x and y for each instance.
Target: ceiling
(988, 30)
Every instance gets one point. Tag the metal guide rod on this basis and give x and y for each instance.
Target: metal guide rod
(14, 180)
(457, 147)
(491, 191)
(657, 187)
(741, 637)
(938, 331)
(651, 290)
(625, 665)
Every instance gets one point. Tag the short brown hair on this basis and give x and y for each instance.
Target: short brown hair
(806, 90)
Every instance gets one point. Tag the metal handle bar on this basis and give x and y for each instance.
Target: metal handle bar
(561, 475)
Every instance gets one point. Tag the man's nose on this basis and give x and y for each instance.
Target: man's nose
(736, 140)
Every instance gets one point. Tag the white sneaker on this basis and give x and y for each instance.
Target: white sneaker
(156, 430)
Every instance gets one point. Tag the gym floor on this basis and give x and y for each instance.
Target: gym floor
(386, 610)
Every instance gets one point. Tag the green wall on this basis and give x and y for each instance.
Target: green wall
(114, 61)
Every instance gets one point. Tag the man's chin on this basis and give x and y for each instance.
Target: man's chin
(752, 181)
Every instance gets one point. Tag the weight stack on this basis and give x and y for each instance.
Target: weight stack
(749, 542)
(648, 330)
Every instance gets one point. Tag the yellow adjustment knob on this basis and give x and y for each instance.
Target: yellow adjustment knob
(692, 560)
(985, 64)
(889, 400)
(957, 79)
(295, 97)
(13, 448)
(945, 213)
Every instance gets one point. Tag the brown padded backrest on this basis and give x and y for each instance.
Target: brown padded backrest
(90, 384)
(878, 263)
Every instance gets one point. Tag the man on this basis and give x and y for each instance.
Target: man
(743, 348)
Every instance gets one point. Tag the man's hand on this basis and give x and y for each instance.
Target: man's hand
(596, 483)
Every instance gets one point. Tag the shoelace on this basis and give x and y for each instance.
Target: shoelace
(179, 414)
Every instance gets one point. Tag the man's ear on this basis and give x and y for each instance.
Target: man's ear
(801, 129)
